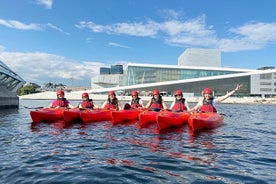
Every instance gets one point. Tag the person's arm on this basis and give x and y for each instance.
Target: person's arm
(197, 107)
(70, 106)
(164, 105)
(95, 105)
(172, 104)
(119, 105)
(148, 104)
(51, 105)
(187, 105)
(105, 102)
(141, 103)
(220, 99)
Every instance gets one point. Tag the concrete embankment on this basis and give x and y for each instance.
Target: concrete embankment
(8, 99)
(77, 96)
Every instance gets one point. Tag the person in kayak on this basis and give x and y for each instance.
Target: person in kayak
(136, 102)
(112, 102)
(179, 104)
(156, 103)
(60, 102)
(207, 104)
(86, 102)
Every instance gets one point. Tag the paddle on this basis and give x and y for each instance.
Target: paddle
(225, 115)
(33, 107)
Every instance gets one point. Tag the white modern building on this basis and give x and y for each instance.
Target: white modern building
(192, 74)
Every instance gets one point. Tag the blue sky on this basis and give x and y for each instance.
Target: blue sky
(66, 41)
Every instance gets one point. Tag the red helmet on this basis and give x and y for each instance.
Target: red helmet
(155, 92)
(134, 93)
(178, 92)
(207, 91)
(85, 94)
(111, 93)
(60, 92)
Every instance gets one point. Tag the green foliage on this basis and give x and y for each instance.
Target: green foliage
(24, 90)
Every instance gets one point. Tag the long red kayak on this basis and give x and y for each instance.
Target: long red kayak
(47, 115)
(96, 115)
(170, 119)
(147, 117)
(208, 120)
(125, 115)
(71, 115)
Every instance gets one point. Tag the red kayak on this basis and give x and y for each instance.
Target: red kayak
(125, 115)
(71, 115)
(47, 115)
(147, 117)
(170, 119)
(207, 120)
(95, 115)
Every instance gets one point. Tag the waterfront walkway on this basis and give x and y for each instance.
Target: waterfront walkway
(77, 96)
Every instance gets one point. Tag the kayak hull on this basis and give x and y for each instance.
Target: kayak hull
(199, 121)
(46, 115)
(95, 115)
(171, 119)
(147, 117)
(125, 115)
(71, 115)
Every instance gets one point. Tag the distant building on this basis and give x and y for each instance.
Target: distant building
(104, 71)
(196, 70)
(200, 57)
(109, 77)
(116, 69)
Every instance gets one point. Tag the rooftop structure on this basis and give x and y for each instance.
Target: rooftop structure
(200, 57)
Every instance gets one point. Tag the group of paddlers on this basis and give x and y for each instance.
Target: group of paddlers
(206, 104)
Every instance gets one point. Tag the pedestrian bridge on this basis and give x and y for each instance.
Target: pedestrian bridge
(10, 82)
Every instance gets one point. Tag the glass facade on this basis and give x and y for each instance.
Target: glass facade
(104, 70)
(143, 75)
(116, 69)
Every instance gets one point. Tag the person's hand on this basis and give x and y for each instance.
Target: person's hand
(238, 87)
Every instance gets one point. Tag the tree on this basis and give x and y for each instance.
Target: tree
(28, 89)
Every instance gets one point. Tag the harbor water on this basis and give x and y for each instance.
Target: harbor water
(242, 150)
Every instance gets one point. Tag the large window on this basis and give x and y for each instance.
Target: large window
(266, 76)
(143, 75)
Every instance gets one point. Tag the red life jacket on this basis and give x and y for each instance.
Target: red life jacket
(87, 104)
(208, 106)
(111, 104)
(135, 103)
(179, 105)
(156, 104)
(60, 103)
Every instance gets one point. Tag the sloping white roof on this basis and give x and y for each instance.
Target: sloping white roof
(189, 67)
(251, 72)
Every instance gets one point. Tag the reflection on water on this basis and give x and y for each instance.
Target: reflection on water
(240, 151)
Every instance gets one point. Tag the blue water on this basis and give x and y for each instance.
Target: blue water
(243, 150)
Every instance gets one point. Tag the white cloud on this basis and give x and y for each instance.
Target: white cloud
(19, 25)
(14, 24)
(250, 36)
(57, 28)
(41, 68)
(118, 45)
(193, 32)
(133, 29)
(47, 3)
